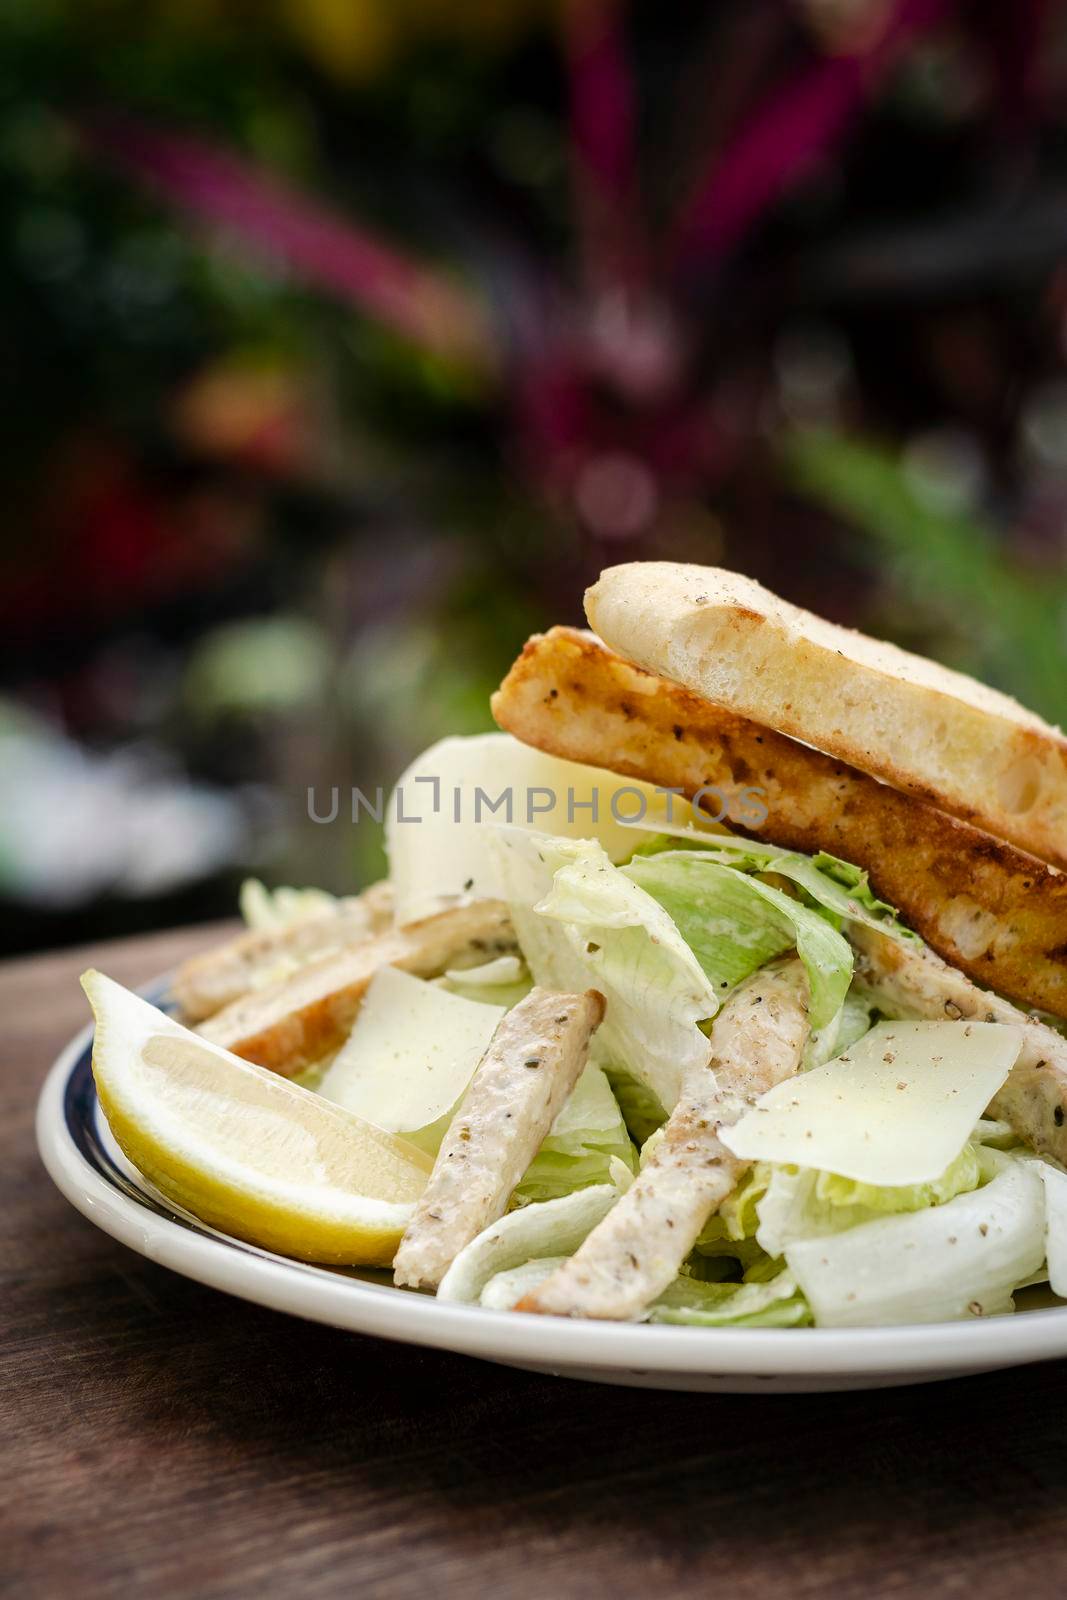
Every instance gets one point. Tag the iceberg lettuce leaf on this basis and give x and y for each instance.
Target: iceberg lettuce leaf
(777, 1303)
(688, 1301)
(718, 912)
(587, 1135)
(641, 1110)
(501, 982)
(266, 910)
(944, 1263)
(581, 923)
(505, 1289)
(1055, 1182)
(840, 889)
(735, 923)
(959, 1177)
(798, 1203)
(549, 1228)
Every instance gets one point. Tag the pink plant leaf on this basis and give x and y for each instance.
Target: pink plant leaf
(311, 241)
(796, 126)
(603, 132)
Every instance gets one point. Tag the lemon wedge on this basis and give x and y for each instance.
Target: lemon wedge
(245, 1150)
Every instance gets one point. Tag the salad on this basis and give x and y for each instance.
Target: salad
(722, 988)
(647, 1070)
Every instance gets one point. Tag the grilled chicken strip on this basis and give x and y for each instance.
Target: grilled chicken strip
(290, 1025)
(631, 1257)
(911, 981)
(532, 1064)
(205, 983)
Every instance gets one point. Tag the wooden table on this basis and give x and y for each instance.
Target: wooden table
(164, 1440)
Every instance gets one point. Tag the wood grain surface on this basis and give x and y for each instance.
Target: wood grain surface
(161, 1439)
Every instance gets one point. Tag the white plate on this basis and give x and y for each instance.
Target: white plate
(83, 1161)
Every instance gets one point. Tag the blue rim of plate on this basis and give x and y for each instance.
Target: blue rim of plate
(81, 1118)
(85, 1172)
(80, 1110)
(82, 1115)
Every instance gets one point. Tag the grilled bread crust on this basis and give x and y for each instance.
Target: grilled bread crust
(992, 910)
(937, 734)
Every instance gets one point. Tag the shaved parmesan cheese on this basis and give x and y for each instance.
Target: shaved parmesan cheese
(1055, 1183)
(895, 1108)
(411, 1054)
(444, 805)
(687, 821)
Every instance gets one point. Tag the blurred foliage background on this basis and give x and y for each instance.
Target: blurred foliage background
(343, 341)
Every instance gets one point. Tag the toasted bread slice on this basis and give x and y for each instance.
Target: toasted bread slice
(291, 1025)
(934, 733)
(995, 912)
(216, 978)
